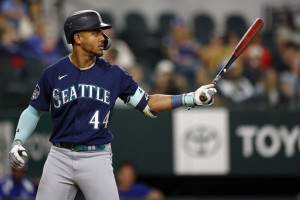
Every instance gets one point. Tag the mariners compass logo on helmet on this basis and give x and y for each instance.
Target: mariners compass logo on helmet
(201, 141)
(36, 92)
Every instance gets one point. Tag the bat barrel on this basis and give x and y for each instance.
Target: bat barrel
(248, 36)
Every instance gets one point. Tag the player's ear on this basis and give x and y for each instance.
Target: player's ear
(77, 39)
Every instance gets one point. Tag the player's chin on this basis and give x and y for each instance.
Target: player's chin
(98, 53)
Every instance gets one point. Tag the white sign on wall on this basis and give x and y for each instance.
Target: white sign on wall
(201, 141)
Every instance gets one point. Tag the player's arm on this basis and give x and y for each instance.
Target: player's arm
(151, 105)
(26, 125)
(161, 103)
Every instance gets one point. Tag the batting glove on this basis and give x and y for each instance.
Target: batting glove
(15, 155)
(208, 91)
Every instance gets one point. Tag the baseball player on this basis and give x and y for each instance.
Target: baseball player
(80, 91)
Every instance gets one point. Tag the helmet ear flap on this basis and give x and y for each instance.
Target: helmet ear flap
(107, 41)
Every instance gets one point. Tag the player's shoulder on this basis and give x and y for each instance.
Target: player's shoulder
(55, 67)
(58, 64)
(109, 67)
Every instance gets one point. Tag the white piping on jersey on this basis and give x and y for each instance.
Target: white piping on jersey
(85, 68)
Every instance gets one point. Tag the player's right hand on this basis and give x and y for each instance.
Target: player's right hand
(15, 155)
(208, 91)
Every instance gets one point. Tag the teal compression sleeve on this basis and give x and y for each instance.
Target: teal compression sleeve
(27, 123)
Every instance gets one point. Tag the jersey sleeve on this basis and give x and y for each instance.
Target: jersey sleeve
(127, 86)
(40, 98)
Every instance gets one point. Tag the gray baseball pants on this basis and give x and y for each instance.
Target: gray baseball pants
(65, 171)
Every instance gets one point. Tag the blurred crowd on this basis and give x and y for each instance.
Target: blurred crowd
(176, 58)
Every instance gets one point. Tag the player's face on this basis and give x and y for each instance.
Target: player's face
(92, 41)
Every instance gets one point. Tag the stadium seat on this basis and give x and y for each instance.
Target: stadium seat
(164, 23)
(135, 23)
(236, 24)
(203, 28)
(106, 17)
(136, 34)
(269, 40)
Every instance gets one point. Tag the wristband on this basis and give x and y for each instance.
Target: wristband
(183, 99)
(189, 99)
(177, 101)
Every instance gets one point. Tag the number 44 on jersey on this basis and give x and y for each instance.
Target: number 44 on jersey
(95, 120)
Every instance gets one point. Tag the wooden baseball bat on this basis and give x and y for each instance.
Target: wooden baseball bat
(248, 36)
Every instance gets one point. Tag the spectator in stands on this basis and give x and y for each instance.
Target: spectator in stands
(265, 61)
(263, 77)
(211, 52)
(284, 35)
(272, 92)
(166, 81)
(12, 60)
(129, 188)
(28, 22)
(217, 51)
(3, 20)
(17, 186)
(8, 38)
(120, 51)
(14, 10)
(289, 78)
(233, 87)
(138, 75)
(112, 56)
(254, 69)
(182, 48)
(42, 45)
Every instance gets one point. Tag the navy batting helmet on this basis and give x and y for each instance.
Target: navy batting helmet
(85, 20)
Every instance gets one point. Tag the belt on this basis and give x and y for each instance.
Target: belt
(79, 147)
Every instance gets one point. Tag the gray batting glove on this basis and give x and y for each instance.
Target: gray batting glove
(15, 155)
(208, 91)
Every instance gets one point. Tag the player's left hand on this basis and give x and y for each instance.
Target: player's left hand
(15, 155)
(208, 91)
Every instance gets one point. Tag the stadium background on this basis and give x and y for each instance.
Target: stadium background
(249, 149)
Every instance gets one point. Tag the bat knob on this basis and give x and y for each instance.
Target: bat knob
(202, 98)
